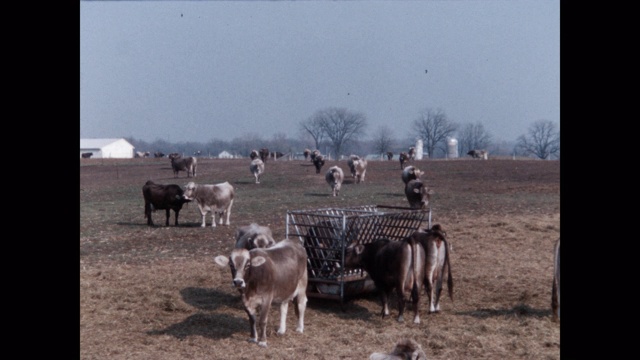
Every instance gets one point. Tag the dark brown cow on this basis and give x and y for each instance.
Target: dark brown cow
(86, 155)
(158, 154)
(277, 274)
(392, 265)
(334, 177)
(411, 173)
(318, 162)
(479, 154)
(418, 194)
(406, 349)
(217, 199)
(254, 236)
(436, 248)
(254, 154)
(389, 155)
(264, 154)
(412, 153)
(555, 287)
(159, 197)
(313, 155)
(188, 164)
(306, 153)
(404, 157)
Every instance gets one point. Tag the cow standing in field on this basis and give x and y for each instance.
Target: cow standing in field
(334, 177)
(184, 164)
(159, 197)
(392, 265)
(264, 154)
(254, 154)
(306, 153)
(254, 236)
(257, 169)
(412, 153)
(418, 194)
(313, 154)
(217, 198)
(360, 169)
(158, 154)
(277, 274)
(479, 154)
(352, 167)
(406, 349)
(142, 154)
(404, 157)
(555, 287)
(411, 173)
(389, 155)
(318, 162)
(436, 248)
(86, 155)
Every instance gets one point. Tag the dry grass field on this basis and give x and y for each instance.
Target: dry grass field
(155, 292)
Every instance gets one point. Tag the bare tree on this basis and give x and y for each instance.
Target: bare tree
(383, 139)
(341, 126)
(542, 140)
(313, 127)
(473, 136)
(433, 128)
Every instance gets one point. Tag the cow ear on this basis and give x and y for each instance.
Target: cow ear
(359, 249)
(222, 261)
(257, 261)
(416, 190)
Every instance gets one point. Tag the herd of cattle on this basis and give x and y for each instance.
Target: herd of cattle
(266, 271)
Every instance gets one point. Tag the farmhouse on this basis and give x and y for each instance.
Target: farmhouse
(225, 155)
(107, 148)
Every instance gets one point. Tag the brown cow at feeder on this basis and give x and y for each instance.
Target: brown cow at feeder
(277, 274)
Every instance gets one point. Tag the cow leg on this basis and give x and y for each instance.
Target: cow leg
(204, 219)
(301, 306)
(252, 325)
(401, 303)
(415, 300)
(262, 322)
(385, 303)
(213, 218)
(147, 213)
(168, 213)
(284, 307)
(228, 212)
(176, 212)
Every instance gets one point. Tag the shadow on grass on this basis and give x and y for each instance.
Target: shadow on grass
(213, 326)
(347, 309)
(519, 310)
(318, 195)
(209, 299)
(158, 225)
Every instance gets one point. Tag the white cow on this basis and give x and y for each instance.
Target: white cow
(216, 198)
(257, 169)
(334, 177)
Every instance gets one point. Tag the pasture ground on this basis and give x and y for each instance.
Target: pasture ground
(155, 292)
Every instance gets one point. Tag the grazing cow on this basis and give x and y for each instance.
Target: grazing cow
(313, 155)
(86, 155)
(264, 154)
(257, 169)
(174, 156)
(334, 177)
(406, 349)
(389, 155)
(404, 157)
(555, 288)
(418, 194)
(142, 154)
(158, 154)
(360, 170)
(184, 164)
(254, 154)
(158, 197)
(306, 153)
(411, 173)
(254, 236)
(352, 167)
(412, 153)
(217, 198)
(318, 162)
(479, 154)
(436, 248)
(277, 274)
(391, 265)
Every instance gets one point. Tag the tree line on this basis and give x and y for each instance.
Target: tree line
(339, 132)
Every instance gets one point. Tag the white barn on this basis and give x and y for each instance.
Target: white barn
(107, 148)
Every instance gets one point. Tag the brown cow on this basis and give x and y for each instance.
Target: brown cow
(318, 162)
(406, 349)
(360, 169)
(264, 154)
(412, 153)
(436, 248)
(479, 154)
(389, 155)
(411, 173)
(86, 155)
(216, 198)
(404, 157)
(254, 236)
(277, 274)
(334, 177)
(159, 197)
(392, 265)
(418, 194)
(555, 287)
(306, 153)
(188, 164)
(352, 167)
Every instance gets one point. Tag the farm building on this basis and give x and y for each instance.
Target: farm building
(225, 155)
(107, 148)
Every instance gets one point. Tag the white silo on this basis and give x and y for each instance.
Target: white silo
(419, 147)
(452, 148)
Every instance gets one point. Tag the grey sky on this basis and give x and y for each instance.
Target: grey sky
(199, 70)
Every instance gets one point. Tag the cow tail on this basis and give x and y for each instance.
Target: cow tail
(447, 264)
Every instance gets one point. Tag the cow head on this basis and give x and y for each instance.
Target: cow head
(418, 194)
(189, 191)
(240, 263)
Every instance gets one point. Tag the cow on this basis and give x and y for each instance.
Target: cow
(306, 153)
(142, 154)
(479, 154)
(158, 154)
(436, 249)
(389, 155)
(174, 156)
(86, 155)
(404, 157)
(277, 274)
(188, 164)
(264, 154)
(412, 153)
(313, 155)
(257, 169)
(254, 154)
(391, 265)
(405, 349)
(555, 287)
(352, 167)
(214, 198)
(334, 177)
(197, 153)
(254, 236)
(418, 194)
(360, 169)
(159, 196)
(318, 162)
(411, 173)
